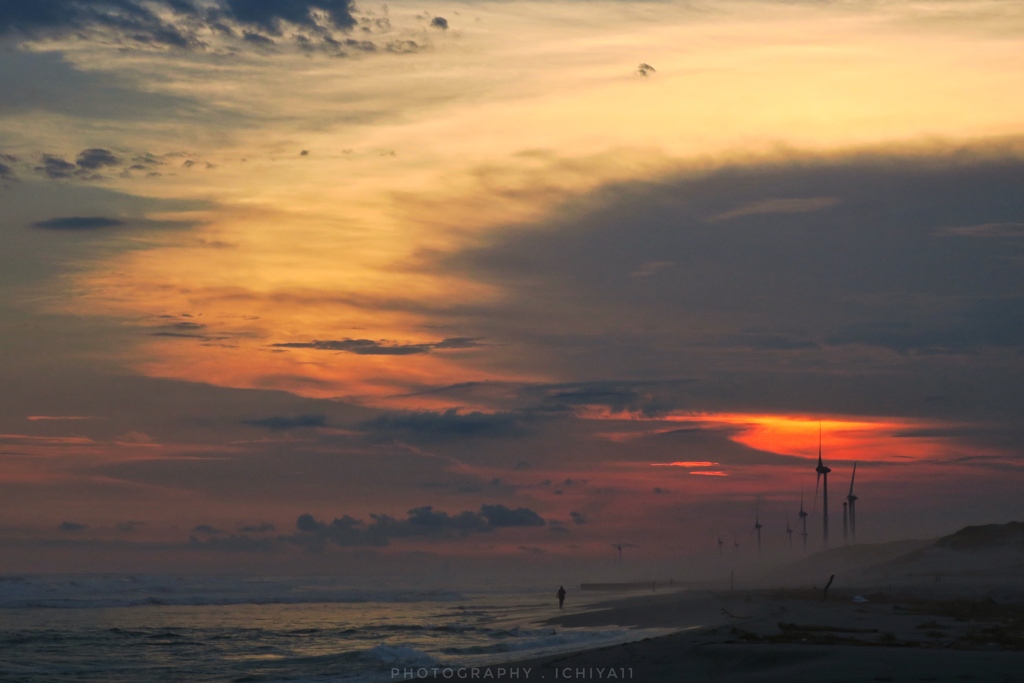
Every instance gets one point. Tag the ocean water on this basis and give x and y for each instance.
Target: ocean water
(134, 629)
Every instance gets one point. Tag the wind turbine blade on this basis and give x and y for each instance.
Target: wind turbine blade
(854, 476)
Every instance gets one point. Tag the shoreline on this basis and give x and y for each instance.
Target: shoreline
(787, 636)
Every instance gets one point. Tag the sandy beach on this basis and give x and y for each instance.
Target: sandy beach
(790, 637)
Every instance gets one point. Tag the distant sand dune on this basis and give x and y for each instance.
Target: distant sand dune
(946, 610)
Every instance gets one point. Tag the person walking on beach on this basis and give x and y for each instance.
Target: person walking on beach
(561, 596)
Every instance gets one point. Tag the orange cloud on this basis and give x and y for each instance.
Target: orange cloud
(842, 437)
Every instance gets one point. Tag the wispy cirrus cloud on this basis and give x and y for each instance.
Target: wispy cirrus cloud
(79, 223)
(282, 423)
(776, 206)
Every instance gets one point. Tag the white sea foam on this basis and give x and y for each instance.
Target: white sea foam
(70, 592)
(522, 643)
(399, 655)
(208, 630)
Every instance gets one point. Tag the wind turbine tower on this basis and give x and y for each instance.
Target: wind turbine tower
(823, 472)
(852, 499)
(845, 525)
(757, 524)
(803, 520)
(789, 533)
(620, 546)
(720, 544)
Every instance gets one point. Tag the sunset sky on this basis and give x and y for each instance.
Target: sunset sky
(290, 284)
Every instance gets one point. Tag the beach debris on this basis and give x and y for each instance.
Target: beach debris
(734, 616)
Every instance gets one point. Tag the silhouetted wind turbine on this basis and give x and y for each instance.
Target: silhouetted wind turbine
(803, 519)
(845, 525)
(620, 546)
(822, 471)
(757, 524)
(852, 499)
(720, 544)
(789, 532)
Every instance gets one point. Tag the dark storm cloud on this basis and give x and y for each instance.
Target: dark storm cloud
(72, 526)
(259, 41)
(439, 22)
(781, 273)
(438, 426)
(369, 347)
(79, 223)
(55, 168)
(257, 528)
(176, 23)
(91, 164)
(499, 515)
(95, 158)
(421, 522)
(33, 17)
(6, 172)
(649, 398)
(577, 518)
(886, 236)
(206, 529)
(281, 423)
(270, 14)
(981, 324)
